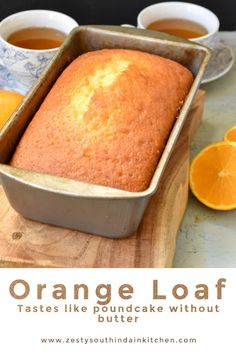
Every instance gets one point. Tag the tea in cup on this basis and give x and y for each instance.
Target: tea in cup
(182, 19)
(29, 40)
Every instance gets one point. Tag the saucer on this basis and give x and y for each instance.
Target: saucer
(221, 62)
(7, 82)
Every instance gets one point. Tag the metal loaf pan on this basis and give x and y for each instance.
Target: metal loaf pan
(74, 204)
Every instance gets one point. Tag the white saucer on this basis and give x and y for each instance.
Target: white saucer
(220, 63)
(7, 82)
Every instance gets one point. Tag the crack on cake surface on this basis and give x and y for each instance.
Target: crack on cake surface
(101, 78)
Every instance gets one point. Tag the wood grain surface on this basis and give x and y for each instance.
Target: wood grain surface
(25, 243)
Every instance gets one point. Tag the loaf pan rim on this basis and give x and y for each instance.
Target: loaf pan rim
(123, 194)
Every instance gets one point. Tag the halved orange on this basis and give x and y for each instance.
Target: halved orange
(230, 135)
(9, 101)
(213, 176)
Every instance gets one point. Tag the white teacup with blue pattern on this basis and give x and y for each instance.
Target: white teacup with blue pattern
(26, 65)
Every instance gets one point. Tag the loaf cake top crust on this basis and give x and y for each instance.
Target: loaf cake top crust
(106, 120)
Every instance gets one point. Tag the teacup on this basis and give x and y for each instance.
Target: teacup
(26, 65)
(184, 11)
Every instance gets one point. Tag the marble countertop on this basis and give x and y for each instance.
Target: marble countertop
(207, 238)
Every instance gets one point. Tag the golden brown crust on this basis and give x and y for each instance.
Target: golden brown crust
(106, 120)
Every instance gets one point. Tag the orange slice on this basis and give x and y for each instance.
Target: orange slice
(8, 103)
(230, 135)
(213, 176)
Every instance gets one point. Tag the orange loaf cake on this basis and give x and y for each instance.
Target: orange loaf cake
(107, 119)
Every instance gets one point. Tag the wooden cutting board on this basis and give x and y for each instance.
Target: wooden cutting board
(25, 243)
